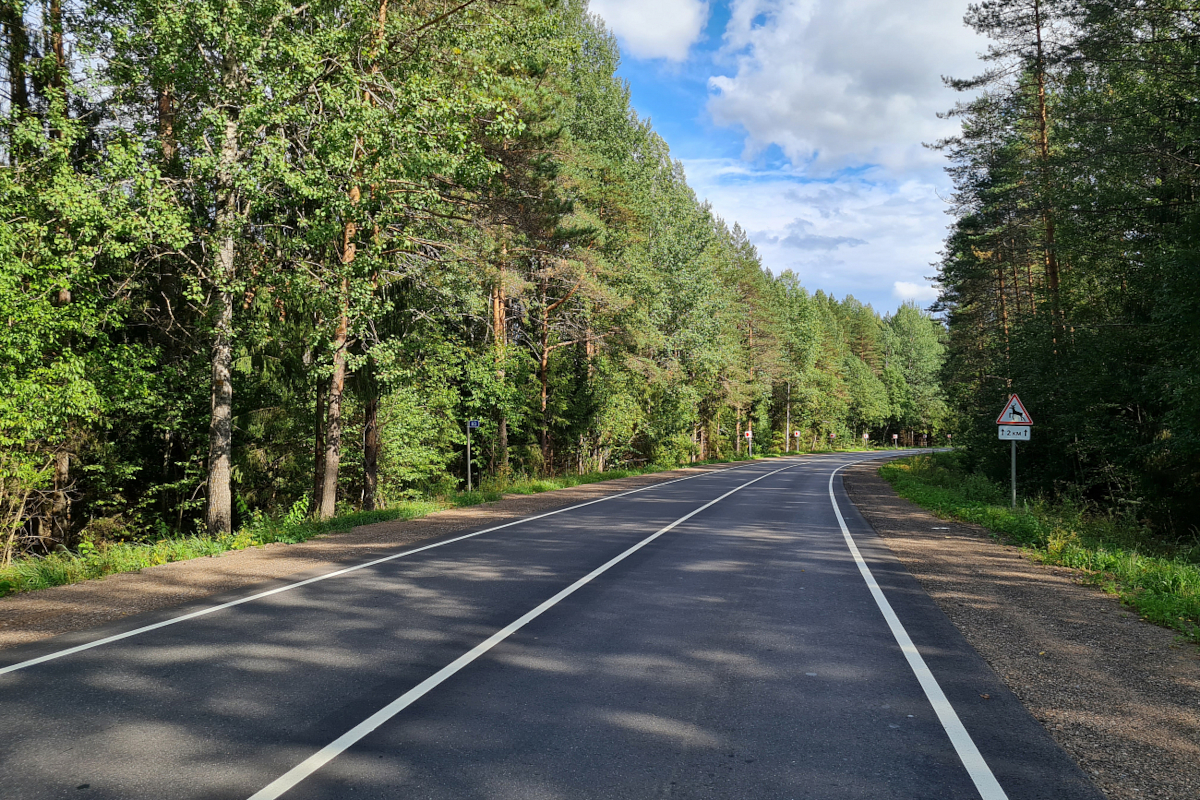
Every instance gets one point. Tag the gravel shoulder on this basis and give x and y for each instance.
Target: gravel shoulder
(1121, 696)
(30, 616)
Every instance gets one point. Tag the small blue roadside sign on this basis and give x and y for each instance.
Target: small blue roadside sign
(473, 423)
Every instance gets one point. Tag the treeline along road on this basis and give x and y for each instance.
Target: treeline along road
(271, 257)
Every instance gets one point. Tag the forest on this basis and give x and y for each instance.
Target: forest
(271, 257)
(1070, 274)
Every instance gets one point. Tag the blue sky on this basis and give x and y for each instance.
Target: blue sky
(803, 121)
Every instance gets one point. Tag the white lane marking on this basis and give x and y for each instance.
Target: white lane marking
(336, 573)
(968, 753)
(298, 773)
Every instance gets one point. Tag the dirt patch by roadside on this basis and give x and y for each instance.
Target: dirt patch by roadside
(37, 615)
(1120, 695)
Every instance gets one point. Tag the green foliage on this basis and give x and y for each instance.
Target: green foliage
(1069, 276)
(1159, 579)
(451, 206)
(95, 560)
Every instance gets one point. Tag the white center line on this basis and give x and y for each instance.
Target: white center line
(298, 773)
(336, 573)
(964, 745)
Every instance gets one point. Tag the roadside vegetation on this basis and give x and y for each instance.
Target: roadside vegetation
(1158, 577)
(1069, 276)
(97, 559)
(275, 255)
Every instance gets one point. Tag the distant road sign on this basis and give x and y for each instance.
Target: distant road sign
(1014, 413)
(473, 423)
(1015, 433)
(749, 434)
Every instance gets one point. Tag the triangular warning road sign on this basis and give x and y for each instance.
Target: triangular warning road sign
(1014, 413)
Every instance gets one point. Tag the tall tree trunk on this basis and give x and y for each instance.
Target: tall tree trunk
(12, 18)
(1051, 256)
(370, 453)
(500, 343)
(12, 21)
(1016, 281)
(337, 382)
(547, 309)
(60, 507)
(318, 450)
(219, 516)
(1003, 307)
(544, 380)
(166, 123)
(57, 80)
(333, 426)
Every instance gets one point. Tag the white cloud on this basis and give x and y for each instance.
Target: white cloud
(904, 291)
(849, 236)
(800, 236)
(843, 83)
(654, 28)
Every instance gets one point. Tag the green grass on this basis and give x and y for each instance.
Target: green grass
(95, 561)
(90, 561)
(1159, 579)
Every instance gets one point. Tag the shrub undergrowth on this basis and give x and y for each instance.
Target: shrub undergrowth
(1157, 578)
(96, 560)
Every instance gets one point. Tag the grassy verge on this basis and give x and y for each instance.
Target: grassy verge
(1160, 580)
(96, 561)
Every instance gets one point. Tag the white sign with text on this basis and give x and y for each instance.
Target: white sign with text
(1015, 433)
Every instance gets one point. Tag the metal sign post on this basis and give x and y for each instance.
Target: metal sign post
(1015, 426)
(474, 423)
(750, 442)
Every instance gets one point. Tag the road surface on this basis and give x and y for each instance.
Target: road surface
(718, 636)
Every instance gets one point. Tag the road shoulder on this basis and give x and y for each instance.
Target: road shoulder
(1121, 696)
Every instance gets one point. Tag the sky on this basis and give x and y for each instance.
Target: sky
(805, 121)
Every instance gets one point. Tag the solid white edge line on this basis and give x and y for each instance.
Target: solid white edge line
(307, 767)
(336, 573)
(985, 782)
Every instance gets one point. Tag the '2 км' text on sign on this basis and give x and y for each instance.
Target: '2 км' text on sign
(1015, 433)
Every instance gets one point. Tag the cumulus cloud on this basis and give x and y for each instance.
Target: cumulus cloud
(799, 236)
(905, 291)
(845, 83)
(845, 236)
(658, 29)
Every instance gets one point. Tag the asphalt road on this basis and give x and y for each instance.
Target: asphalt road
(612, 650)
